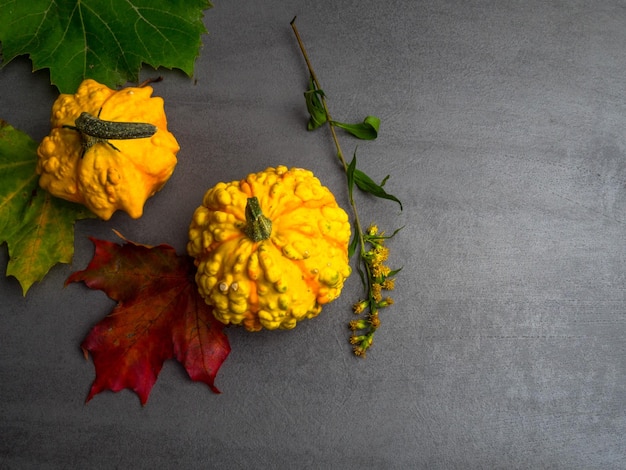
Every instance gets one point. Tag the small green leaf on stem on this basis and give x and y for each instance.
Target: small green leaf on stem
(315, 106)
(393, 272)
(350, 175)
(354, 245)
(367, 184)
(366, 130)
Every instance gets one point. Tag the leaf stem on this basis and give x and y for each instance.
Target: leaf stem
(323, 99)
(376, 275)
(357, 221)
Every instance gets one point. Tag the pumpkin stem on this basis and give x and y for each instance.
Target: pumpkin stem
(258, 227)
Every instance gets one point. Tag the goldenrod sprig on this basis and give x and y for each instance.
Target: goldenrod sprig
(370, 244)
(378, 278)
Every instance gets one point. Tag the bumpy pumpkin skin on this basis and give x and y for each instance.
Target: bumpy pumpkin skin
(286, 278)
(104, 179)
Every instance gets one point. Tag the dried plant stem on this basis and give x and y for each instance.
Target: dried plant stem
(357, 221)
(372, 253)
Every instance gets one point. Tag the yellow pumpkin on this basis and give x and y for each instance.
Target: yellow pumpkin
(270, 249)
(107, 174)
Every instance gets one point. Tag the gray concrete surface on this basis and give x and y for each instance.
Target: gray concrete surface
(503, 129)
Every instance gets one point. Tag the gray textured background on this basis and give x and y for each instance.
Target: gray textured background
(503, 127)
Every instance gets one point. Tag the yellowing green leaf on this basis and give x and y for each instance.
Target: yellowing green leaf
(107, 40)
(38, 228)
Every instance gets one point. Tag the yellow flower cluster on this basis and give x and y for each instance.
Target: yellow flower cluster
(378, 280)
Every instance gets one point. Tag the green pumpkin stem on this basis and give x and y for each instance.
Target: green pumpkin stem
(258, 227)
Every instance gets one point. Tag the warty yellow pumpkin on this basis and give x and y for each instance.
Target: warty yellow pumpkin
(270, 249)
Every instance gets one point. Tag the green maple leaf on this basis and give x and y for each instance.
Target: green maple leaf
(38, 228)
(106, 40)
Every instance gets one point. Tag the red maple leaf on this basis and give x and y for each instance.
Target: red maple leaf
(159, 315)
